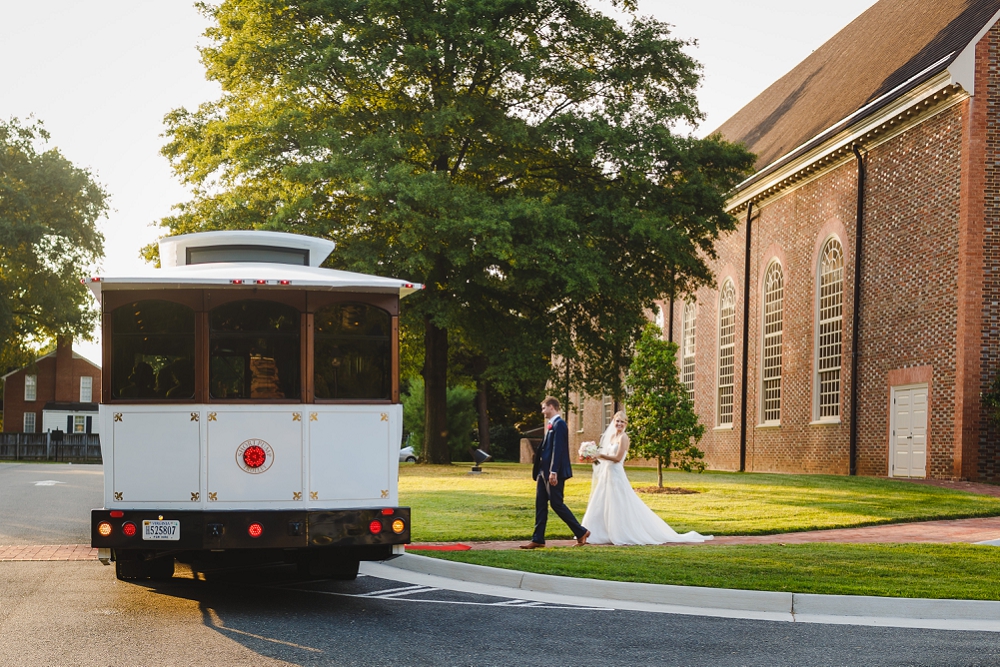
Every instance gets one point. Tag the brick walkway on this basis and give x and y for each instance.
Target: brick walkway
(934, 532)
(48, 552)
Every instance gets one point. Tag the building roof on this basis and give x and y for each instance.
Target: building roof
(892, 47)
(69, 407)
(76, 355)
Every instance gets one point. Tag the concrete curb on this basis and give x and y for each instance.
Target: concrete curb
(981, 615)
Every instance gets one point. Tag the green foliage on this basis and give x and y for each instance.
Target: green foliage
(461, 418)
(725, 503)
(505, 443)
(518, 158)
(662, 422)
(48, 240)
(950, 571)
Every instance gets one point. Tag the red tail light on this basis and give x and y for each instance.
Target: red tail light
(387, 511)
(254, 456)
(284, 282)
(375, 527)
(117, 514)
(128, 529)
(261, 282)
(236, 282)
(255, 530)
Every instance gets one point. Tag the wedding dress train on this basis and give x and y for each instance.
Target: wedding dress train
(616, 515)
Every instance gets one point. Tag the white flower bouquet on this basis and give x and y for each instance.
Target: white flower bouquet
(588, 451)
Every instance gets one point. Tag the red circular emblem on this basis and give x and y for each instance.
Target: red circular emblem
(254, 456)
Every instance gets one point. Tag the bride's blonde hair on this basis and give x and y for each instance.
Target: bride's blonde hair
(620, 413)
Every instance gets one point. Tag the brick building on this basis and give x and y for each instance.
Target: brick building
(60, 391)
(883, 145)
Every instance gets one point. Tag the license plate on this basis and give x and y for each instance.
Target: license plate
(161, 530)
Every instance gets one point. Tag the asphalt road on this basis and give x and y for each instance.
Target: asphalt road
(77, 613)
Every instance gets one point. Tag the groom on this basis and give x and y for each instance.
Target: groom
(550, 470)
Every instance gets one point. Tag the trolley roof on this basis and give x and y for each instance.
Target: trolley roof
(177, 273)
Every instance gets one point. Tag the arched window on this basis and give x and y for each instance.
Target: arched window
(727, 347)
(771, 357)
(829, 315)
(152, 351)
(254, 351)
(353, 352)
(687, 345)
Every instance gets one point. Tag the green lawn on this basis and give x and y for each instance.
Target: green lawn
(955, 571)
(449, 504)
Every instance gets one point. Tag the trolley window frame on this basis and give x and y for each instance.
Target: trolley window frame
(204, 300)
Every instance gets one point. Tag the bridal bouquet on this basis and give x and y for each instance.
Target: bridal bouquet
(588, 451)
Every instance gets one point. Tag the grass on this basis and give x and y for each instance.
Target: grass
(451, 505)
(949, 571)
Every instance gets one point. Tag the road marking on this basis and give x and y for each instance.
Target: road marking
(392, 597)
(49, 482)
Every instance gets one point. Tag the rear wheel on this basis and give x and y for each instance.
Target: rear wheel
(411, 459)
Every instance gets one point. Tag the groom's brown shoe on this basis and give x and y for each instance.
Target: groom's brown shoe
(582, 540)
(532, 545)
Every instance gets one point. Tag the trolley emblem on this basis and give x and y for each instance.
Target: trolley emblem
(254, 456)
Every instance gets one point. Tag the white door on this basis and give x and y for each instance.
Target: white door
(254, 455)
(908, 432)
(352, 454)
(157, 456)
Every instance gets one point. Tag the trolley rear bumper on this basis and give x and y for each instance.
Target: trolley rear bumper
(274, 529)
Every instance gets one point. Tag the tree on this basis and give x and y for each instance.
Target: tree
(662, 420)
(48, 239)
(515, 156)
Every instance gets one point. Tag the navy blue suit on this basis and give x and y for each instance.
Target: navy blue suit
(553, 456)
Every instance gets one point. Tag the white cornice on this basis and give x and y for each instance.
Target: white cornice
(909, 109)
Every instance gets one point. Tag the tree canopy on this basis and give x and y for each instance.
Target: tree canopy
(518, 157)
(662, 420)
(48, 238)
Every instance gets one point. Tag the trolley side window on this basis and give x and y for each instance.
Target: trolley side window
(254, 351)
(152, 353)
(353, 352)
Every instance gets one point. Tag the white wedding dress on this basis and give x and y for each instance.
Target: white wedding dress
(616, 515)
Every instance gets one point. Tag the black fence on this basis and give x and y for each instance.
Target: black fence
(74, 447)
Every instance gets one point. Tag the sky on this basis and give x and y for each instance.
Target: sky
(102, 74)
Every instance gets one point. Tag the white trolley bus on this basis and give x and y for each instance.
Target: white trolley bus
(250, 409)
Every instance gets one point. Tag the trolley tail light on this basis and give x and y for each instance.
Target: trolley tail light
(236, 281)
(255, 530)
(261, 282)
(128, 529)
(284, 282)
(117, 514)
(375, 527)
(398, 526)
(387, 511)
(104, 529)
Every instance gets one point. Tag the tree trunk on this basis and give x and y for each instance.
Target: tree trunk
(482, 408)
(435, 394)
(659, 472)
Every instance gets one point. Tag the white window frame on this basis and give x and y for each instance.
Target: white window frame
(79, 423)
(86, 389)
(608, 405)
(772, 324)
(828, 333)
(29, 423)
(726, 346)
(31, 388)
(580, 398)
(689, 330)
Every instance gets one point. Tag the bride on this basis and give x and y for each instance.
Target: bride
(615, 514)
